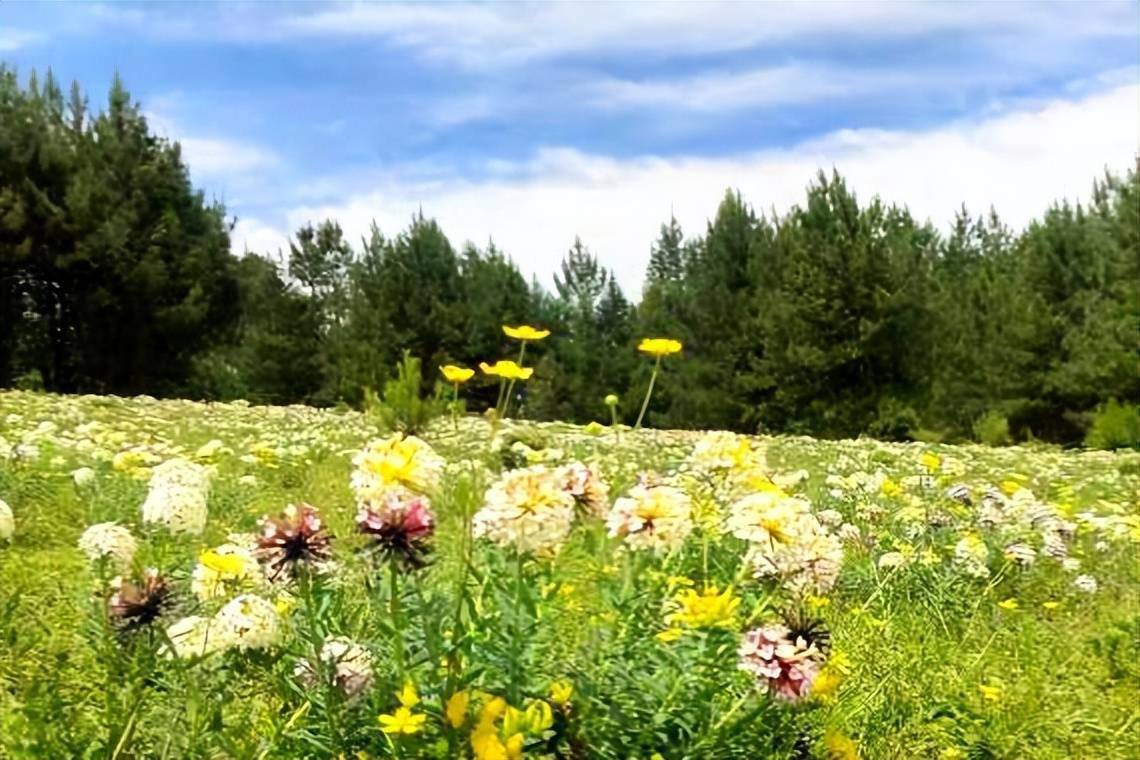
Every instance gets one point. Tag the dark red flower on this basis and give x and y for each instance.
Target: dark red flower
(298, 536)
(400, 523)
(134, 606)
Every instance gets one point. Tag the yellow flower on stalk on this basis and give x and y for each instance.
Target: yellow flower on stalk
(991, 692)
(704, 610)
(839, 746)
(407, 695)
(659, 346)
(560, 692)
(507, 369)
(456, 709)
(525, 332)
(931, 461)
(403, 721)
(1008, 604)
(1050, 605)
(539, 716)
(456, 375)
(890, 488)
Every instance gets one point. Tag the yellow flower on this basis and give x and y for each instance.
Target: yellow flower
(224, 564)
(706, 610)
(539, 716)
(1010, 487)
(492, 710)
(659, 346)
(407, 695)
(890, 488)
(506, 368)
(403, 721)
(456, 708)
(1008, 604)
(839, 746)
(990, 692)
(1050, 605)
(525, 332)
(560, 692)
(456, 375)
(931, 461)
(669, 635)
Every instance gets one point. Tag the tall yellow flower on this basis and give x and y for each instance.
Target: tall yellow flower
(659, 346)
(456, 709)
(525, 332)
(403, 721)
(505, 368)
(456, 375)
(704, 610)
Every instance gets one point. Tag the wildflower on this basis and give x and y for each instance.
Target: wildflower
(1020, 553)
(669, 635)
(525, 332)
(839, 746)
(991, 692)
(539, 716)
(402, 721)
(456, 708)
(560, 692)
(407, 696)
(82, 477)
(652, 517)
(1085, 583)
(590, 492)
(931, 461)
(506, 369)
(1051, 605)
(809, 563)
(194, 636)
(1008, 604)
(611, 399)
(134, 606)
(401, 524)
(177, 496)
(109, 541)
(7, 522)
(960, 493)
(766, 517)
(891, 560)
(704, 610)
(659, 346)
(350, 665)
(298, 536)
(221, 569)
(456, 375)
(399, 460)
(788, 666)
(249, 622)
(528, 509)
(971, 555)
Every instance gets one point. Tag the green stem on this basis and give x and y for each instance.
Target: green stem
(516, 634)
(648, 393)
(511, 386)
(455, 406)
(397, 621)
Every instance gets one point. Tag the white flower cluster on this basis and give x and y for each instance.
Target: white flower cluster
(399, 460)
(7, 522)
(654, 517)
(223, 569)
(109, 541)
(246, 622)
(528, 509)
(349, 663)
(177, 496)
(972, 556)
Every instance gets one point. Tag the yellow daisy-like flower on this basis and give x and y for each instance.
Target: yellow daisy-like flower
(456, 708)
(709, 609)
(659, 346)
(507, 369)
(931, 461)
(560, 692)
(456, 375)
(1008, 604)
(991, 692)
(402, 721)
(408, 696)
(525, 332)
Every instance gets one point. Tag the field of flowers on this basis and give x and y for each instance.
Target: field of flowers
(230, 581)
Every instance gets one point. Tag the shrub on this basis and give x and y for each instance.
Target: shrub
(403, 406)
(1115, 426)
(992, 429)
(894, 421)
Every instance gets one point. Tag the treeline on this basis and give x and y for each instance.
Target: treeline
(835, 319)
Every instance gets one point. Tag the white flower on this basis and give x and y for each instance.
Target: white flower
(971, 555)
(83, 476)
(891, 560)
(1020, 553)
(652, 517)
(398, 460)
(350, 663)
(767, 516)
(249, 622)
(194, 636)
(111, 541)
(7, 522)
(587, 487)
(1086, 583)
(810, 563)
(177, 499)
(528, 509)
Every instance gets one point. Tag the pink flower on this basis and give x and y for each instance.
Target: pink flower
(297, 536)
(400, 522)
(789, 666)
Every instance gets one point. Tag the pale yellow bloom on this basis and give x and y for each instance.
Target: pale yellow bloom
(507, 369)
(456, 375)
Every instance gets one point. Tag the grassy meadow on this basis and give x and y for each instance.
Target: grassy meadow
(552, 591)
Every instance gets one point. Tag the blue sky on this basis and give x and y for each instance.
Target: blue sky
(531, 123)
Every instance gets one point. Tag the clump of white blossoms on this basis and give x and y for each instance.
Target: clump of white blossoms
(399, 460)
(177, 496)
(586, 485)
(1086, 583)
(194, 636)
(768, 516)
(654, 517)
(528, 509)
(248, 622)
(222, 569)
(83, 477)
(109, 541)
(7, 522)
(348, 663)
(971, 555)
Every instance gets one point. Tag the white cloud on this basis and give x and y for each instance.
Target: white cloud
(1019, 162)
(15, 39)
(214, 156)
(258, 237)
(481, 35)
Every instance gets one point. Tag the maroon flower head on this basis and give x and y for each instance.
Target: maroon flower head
(134, 606)
(298, 536)
(400, 523)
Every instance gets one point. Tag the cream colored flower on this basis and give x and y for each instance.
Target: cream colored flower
(249, 622)
(194, 636)
(109, 541)
(177, 497)
(399, 460)
(350, 665)
(652, 517)
(7, 522)
(768, 516)
(528, 509)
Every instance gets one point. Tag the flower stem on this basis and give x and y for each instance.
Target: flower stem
(397, 622)
(455, 406)
(511, 385)
(516, 634)
(648, 393)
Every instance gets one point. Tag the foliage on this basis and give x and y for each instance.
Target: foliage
(1115, 425)
(992, 429)
(404, 406)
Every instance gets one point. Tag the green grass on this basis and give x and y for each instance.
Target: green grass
(920, 639)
